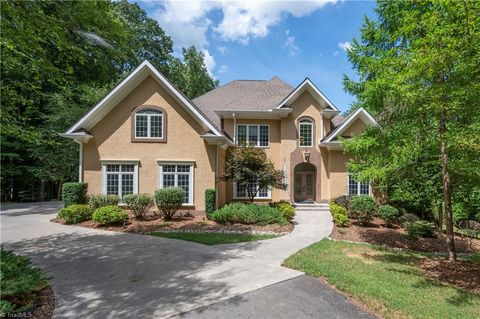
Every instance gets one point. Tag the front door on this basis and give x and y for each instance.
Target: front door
(304, 187)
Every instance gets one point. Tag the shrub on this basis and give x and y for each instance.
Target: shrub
(169, 200)
(287, 210)
(110, 215)
(408, 218)
(210, 195)
(419, 228)
(97, 201)
(76, 213)
(138, 204)
(459, 213)
(339, 214)
(343, 200)
(19, 281)
(362, 208)
(389, 214)
(74, 193)
(240, 213)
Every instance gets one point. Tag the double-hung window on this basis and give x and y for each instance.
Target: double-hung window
(241, 190)
(178, 175)
(120, 179)
(149, 124)
(305, 133)
(357, 188)
(253, 135)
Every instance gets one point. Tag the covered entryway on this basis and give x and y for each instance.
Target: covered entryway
(304, 183)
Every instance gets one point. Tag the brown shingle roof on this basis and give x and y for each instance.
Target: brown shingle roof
(243, 95)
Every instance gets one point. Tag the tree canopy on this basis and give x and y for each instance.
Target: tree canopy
(58, 59)
(418, 69)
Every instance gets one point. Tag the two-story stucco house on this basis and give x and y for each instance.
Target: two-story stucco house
(145, 135)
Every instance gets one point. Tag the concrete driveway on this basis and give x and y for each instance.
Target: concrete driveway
(102, 274)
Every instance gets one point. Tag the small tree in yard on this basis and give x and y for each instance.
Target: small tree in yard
(246, 163)
(169, 200)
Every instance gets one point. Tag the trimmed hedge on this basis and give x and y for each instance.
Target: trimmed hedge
(169, 200)
(389, 214)
(287, 210)
(210, 196)
(97, 201)
(75, 214)
(239, 213)
(339, 214)
(138, 204)
(362, 208)
(74, 193)
(110, 215)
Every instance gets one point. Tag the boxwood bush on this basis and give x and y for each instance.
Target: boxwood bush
(210, 195)
(287, 210)
(389, 214)
(339, 214)
(420, 228)
(110, 215)
(343, 201)
(20, 284)
(76, 213)
(240, 213)
(362, 208)
(74, 193)
(169, 200)
(138, 204)
(97, 201)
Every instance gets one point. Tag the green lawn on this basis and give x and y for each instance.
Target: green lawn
(212, 238)
(387, 281)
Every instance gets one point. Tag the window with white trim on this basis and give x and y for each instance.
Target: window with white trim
(357, 188)
(120, 179)
(254, 135)
(241, 190)
(149, 124)
(178, 175)
(305, 133)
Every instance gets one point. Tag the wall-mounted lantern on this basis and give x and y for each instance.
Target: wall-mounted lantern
(306, 156)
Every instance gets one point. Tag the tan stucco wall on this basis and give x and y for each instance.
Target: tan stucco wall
(355, 128)
(338, 173)
(112, 141)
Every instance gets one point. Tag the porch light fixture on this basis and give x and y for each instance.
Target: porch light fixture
(306, 156)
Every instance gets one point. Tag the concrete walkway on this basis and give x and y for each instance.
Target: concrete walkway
(102, 274)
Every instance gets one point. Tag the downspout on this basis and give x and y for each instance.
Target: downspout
(234, 115)
(216, 177)
(80, 162)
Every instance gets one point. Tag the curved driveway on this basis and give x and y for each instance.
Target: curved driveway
(102, 274)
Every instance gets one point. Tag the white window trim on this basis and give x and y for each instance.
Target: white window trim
(269, 196)
(190, 180)
(104, 176)
(307, 122)
(149, 133)
(358, 187)
(258, 128)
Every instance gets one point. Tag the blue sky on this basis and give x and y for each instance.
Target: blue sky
(261, 39)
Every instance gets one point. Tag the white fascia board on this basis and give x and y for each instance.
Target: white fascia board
(305, 85)
(360, 113)
(125, 87)
(335, 145)
(269, 114)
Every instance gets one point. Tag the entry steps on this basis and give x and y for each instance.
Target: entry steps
(311, 206)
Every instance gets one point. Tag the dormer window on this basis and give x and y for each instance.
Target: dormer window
(305, 133)
(149, 125)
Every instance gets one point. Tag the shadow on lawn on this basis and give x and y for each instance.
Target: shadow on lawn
(115, 275)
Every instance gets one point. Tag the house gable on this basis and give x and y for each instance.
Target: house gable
(307, 85)
(112, 99)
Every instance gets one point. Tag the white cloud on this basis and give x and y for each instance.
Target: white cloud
(222, 50)
(290, 43)
(222, 69)
(335, 53)
(345, 46)
(209, 61)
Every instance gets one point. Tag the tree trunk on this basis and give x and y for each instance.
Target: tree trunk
(59, 191)
(440, 217)
(42, 190)
(447, 189)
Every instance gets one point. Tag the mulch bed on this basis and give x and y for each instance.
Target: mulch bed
(377, 233)
(463, 274)
(188, 221)
(45, 304)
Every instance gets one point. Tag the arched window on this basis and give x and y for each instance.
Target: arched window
(305, 132)
(149, 124)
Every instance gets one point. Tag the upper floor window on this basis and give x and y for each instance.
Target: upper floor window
(357, 188)
(305, 132)
(149, 123)
(253, 135)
